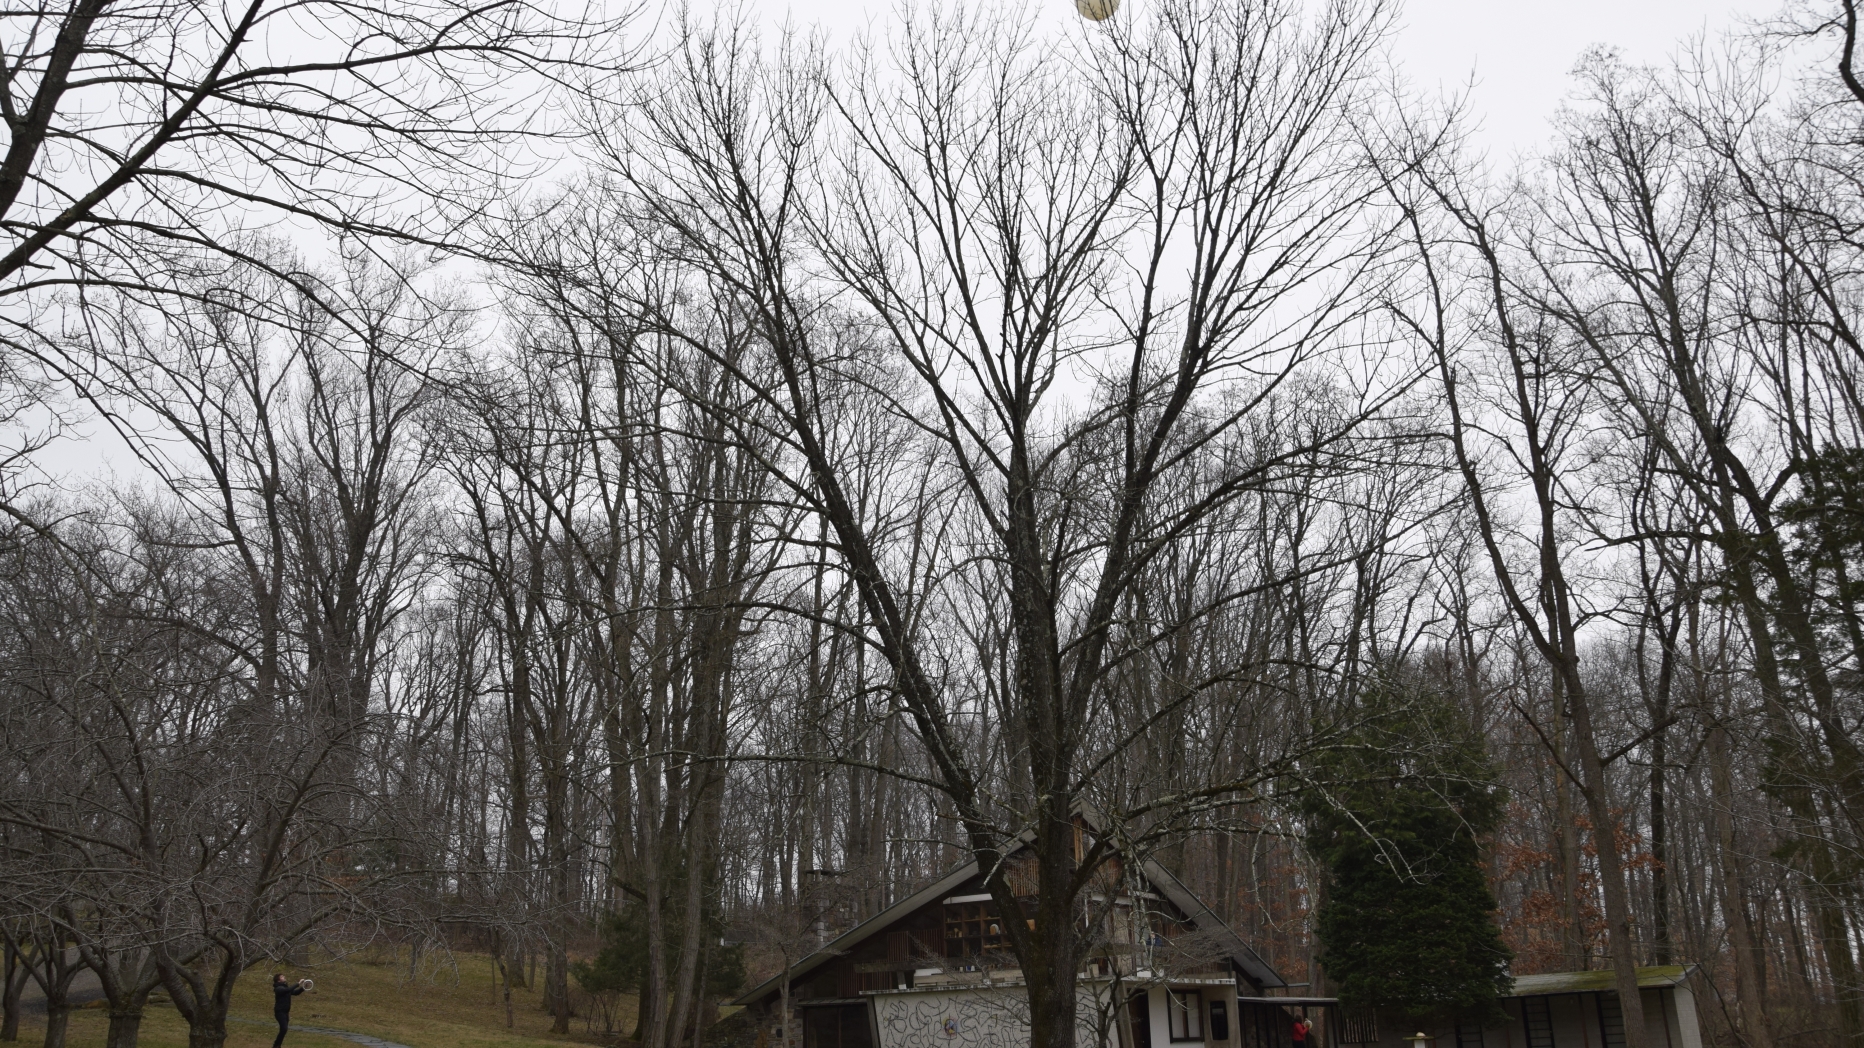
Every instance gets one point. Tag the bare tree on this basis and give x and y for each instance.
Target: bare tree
(133, 126)
(283, 549)
(1099, 284)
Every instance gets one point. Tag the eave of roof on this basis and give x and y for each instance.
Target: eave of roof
(1597, 981)
(1304, 1002)
(861, 932)
(1208, 922)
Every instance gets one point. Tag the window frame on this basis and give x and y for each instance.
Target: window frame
(1184, 1010)
(962, 919)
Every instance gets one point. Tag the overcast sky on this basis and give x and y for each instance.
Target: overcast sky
(1519, 51)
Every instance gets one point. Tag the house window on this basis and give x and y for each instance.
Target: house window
(840, 1026)
(971, 929)
(1186, 1010)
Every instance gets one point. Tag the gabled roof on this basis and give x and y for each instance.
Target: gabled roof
(1210, 924)
(1160, 878)
(860, 933)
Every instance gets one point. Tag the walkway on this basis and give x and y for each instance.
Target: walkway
(359, 1038)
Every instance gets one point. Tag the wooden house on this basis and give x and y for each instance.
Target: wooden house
(933, 971)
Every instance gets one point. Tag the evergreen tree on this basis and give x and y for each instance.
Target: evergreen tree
(1396, 813)
(620, 963)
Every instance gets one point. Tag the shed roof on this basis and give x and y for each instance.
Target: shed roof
(1656, 977)
(1597, 981)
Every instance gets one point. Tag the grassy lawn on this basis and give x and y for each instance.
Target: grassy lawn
(447, 1008)
(163, 1027)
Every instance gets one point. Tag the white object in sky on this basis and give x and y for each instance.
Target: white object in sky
(1097, 10)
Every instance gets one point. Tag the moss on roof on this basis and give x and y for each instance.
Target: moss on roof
(1594, 982)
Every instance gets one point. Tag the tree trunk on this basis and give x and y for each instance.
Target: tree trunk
(557, 985)
(1657, 701)
(56, 967)
(1750, 987)
(556, 847)
(125, 1027)
(1785, 777)
(716, 639)
(57, 1020)
(12, 984)
(504, 971)
(1052, 963)
(208, 1029)
(1619, 934)
(1661, 951)
(1576, 947)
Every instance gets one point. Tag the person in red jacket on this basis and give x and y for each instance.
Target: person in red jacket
(1301, 1027)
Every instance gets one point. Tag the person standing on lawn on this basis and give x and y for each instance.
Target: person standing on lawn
(282, 993)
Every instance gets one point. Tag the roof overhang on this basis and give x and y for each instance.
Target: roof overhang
(1656, 977)
(1300, 1002)
(1246, 960)
(860, 933)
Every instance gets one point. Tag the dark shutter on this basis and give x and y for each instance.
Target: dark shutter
(1219, 1021)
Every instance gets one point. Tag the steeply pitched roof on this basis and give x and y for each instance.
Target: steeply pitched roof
(860, 933)
(1210, 924)
(1169, 886)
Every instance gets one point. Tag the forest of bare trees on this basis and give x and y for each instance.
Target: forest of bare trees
(497, 475)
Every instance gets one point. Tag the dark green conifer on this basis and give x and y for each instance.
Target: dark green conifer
(1395, 814)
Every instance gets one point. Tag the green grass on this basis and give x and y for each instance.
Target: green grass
(163, 1027)
(453, 1006)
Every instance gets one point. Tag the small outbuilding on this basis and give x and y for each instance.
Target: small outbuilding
(1557, 1010)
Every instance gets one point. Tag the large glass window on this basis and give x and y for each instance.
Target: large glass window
(1186, 1008)
(971, 928)
(837, 1026)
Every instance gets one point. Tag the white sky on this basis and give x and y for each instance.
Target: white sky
(1518, 51)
